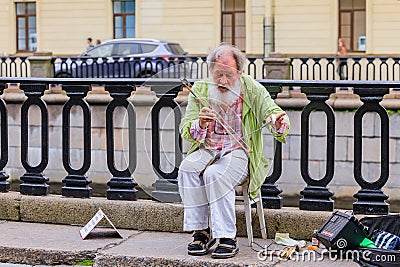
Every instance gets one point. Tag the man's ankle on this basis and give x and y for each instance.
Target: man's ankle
(207, 230)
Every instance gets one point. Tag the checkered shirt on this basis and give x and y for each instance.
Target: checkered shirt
(216, 137)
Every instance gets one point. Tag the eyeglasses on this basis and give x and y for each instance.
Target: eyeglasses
(230, 75)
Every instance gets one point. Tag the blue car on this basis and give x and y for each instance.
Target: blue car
(127, 58)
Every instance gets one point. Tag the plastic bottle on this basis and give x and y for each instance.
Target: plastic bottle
(314, 240)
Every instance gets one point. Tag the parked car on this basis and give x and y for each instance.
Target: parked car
(127, 58)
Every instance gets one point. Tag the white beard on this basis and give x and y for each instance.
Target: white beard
(223, 99)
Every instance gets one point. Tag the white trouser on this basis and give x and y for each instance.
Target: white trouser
(214, 189)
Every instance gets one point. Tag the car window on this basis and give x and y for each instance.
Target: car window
(175, 49)
(148, 48)
(128, 49)
(101, 51)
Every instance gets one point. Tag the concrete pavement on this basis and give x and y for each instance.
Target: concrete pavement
(54, 245)
(44, 230)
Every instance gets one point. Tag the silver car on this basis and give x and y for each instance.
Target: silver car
(127, 58)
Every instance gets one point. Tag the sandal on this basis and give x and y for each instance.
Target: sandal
(201, 243)
(227, 248)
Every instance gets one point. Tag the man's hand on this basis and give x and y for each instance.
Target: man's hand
(206, 116)
(279, 120)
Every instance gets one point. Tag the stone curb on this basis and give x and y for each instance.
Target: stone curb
(146, 214)
(123, 261)
(41, 256)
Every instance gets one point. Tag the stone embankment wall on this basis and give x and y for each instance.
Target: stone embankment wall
(291, 182)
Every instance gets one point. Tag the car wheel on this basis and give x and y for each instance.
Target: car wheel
(63, 75)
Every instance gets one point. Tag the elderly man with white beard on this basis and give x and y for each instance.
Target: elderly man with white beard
(223, 119)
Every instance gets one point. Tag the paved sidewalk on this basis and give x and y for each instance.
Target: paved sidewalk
(27, 244)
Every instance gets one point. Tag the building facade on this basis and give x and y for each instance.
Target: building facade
(256, 26)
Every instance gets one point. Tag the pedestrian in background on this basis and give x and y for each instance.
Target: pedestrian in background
(342, 62)
(90, 44)
(98, 41)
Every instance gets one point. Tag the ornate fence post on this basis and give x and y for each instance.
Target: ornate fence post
(4, 185)
(316, 196)
(121, 185)
(269, 190)
(34, 182)
(76, 182)
(40, 65)
(166, 188)
(275, 66)
(371, 199)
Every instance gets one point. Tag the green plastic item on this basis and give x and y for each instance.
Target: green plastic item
(366, 243)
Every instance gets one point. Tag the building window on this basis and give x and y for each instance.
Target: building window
(124, 19)
(234, 23)
(352, 24)
(26, 27)
(269, 36)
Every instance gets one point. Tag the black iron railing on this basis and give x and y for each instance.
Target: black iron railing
(316, 195)
(345, 68)
(300, 68)
(13, 66)
(129, 67)
(141, 67)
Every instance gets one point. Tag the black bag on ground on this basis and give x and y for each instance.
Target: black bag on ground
(341, 232)
(372, 257)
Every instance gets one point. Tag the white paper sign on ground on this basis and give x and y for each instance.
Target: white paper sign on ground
(84, 232)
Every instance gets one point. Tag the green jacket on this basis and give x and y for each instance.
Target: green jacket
(257, 106)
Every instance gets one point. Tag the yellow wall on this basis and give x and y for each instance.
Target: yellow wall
(306, 26)
(7, 39)
(192, 23)
(384, 27)
(63, 28)
(311, 26)
(255, 12)
(301, 26)
(196, 24)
